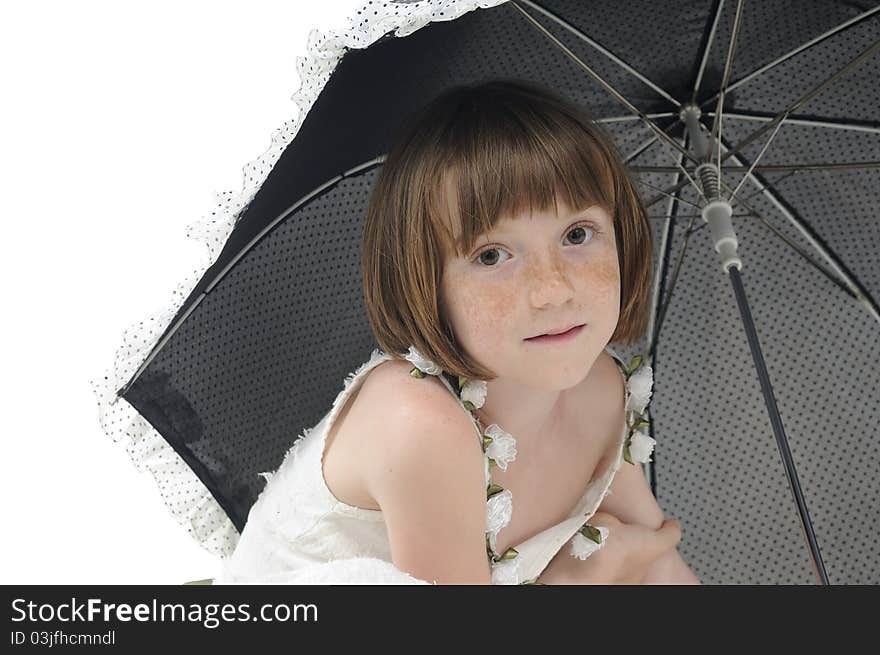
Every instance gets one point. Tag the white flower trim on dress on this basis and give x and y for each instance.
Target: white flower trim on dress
(639, 386)
(499, 508)
(422, 364)
(473, 392)
(184, 494)
(582, 546)
(639, 377)
(640, 447)
(499, 446)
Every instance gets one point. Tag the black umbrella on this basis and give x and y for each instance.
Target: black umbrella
(781, 95)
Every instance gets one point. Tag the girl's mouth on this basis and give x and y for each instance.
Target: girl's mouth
(557, 338)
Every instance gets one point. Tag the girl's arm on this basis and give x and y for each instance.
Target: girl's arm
(427, 473)
(670, 569)
(631, 501)
(625, 560)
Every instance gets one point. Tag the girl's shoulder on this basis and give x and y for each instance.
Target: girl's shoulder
(393, 398)
(389, 411)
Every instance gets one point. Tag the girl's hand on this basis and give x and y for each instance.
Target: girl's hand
(624, 559)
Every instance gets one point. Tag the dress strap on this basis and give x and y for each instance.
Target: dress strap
(499, 448)
(633, 446)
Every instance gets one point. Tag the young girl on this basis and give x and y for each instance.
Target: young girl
(504, 248)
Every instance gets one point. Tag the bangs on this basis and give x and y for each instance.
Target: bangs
(502, 161)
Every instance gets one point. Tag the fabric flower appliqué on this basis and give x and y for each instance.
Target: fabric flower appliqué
(473, 393)
(639, 386)
(640, 447)
(499, 508)
(499, 446)
(422, 365)
(588, 540)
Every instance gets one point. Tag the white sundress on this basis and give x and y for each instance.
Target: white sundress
(298, 532)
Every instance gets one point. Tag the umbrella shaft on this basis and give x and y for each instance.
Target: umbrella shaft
(778, 428)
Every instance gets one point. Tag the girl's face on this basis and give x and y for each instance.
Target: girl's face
(530, 276)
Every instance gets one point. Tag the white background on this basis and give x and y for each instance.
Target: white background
(118, 122)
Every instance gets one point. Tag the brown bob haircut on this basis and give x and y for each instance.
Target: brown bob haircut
(504, 146)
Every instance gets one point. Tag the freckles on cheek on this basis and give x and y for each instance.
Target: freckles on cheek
(482, 310)
(600, 280)
(604, 274)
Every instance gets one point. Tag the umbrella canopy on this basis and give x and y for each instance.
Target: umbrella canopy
(253, 349)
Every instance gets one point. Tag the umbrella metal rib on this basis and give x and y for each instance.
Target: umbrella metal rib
(806, 97)
(776, 182)
(790, 168)
(793, 168)
(659, 279)
(605, 51)
(623, 119)
(751, 137)
(763, 69)
(710, 38)
(606, 85)
(241, 253)
(667, 216)
(687, 202)
(858, 126)
(647, 144)
(161, 344)
(856, 289)
(800, 251)
(287, 212)
(661, 314)
(728, 65)
(752, 165)
(678, 186)
(655, 296)
(640, 149)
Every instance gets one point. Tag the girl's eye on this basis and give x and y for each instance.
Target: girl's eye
(491, 262)
(581, 228)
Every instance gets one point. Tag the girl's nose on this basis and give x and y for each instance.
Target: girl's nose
(549, 284)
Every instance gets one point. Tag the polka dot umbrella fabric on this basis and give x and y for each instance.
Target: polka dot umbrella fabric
(254, 348)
